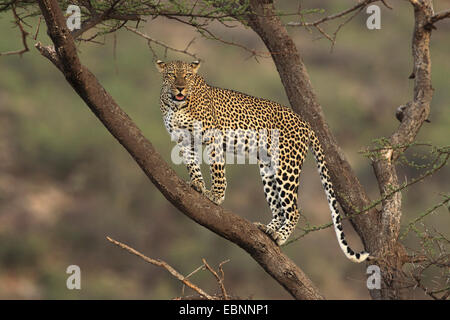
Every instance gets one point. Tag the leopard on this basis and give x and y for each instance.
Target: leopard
(192, 108)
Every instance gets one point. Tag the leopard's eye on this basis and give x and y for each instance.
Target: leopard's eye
(188, 75)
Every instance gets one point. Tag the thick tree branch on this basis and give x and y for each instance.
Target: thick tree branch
(192, 204)
(415, 113)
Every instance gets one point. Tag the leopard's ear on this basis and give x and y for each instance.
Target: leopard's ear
(160, 65)
(195, 65)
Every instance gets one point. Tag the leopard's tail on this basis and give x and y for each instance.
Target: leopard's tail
(335, 215)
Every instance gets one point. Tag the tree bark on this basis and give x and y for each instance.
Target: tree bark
(223, 222)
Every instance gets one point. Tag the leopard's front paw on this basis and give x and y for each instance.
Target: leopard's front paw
(261, 226)
(214, 197)
(198, 185)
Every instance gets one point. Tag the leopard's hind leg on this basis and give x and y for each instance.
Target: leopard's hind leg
(286, 179)
(287, 187)
(271, 193)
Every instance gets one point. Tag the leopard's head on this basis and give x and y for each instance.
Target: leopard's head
(178, 79)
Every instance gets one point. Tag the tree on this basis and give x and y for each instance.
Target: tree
(379, 228)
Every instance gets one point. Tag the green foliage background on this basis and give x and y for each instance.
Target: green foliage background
(65, 184)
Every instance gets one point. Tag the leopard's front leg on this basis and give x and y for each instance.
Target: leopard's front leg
(217, 169)
(191, 159)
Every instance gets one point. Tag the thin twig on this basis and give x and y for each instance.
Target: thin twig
(191, 274)
(22, 32)
(423, 215)
(356, 9)
(166, 266)
(149, 39)
(342, 25)
(37, 28)
(220, 279)
(211, 36)
(331, 17)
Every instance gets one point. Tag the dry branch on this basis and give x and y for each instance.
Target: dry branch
(164, 265)
(220, 278)
(23, 34)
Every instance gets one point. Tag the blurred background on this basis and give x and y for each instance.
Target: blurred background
(66, 184)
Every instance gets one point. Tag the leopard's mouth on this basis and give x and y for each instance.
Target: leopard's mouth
(179, 97)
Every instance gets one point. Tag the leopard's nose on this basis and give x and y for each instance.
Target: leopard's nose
(180, 89)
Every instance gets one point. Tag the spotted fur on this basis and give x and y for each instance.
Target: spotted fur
(187, 100)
